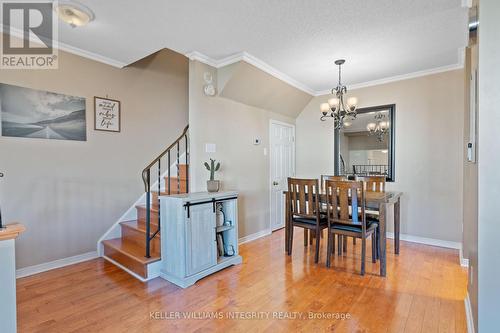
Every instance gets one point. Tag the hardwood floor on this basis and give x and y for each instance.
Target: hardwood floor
(423, 292)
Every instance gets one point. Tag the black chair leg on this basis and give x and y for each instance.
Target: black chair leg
(378, 243)
(344, 244)
(374, 247)
(306, 237)
(339, 245)
(333, 242)
(354, 241)
(363, 255)
(318, 239)
(290, 240)
(330, 240)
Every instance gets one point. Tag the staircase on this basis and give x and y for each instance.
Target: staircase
(138, 246)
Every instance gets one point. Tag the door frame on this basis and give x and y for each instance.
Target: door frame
(292, 126)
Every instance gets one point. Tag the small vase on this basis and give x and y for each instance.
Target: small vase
(213, 185)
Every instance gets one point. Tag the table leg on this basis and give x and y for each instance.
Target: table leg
(382, 242)
(287, 220)
(397, 206)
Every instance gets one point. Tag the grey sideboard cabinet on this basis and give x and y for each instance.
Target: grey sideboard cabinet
(199, 235)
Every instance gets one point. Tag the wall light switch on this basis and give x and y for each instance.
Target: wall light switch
(210, 147)
(265, 151)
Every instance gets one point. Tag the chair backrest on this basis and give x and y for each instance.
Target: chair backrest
(324, 178)
(304, 197)
(342, 195)
(373, 183)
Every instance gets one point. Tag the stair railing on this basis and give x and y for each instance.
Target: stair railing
(156, 165)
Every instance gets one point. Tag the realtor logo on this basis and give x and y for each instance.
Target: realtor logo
(29, 35)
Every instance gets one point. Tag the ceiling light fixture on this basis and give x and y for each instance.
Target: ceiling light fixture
(73, 13)
(340, 108)
(380, 127)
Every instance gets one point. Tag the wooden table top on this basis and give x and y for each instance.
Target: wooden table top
(11, 231)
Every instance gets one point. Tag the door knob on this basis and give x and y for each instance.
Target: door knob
(275, 183)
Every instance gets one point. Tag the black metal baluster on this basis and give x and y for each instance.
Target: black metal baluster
(168, 172)
(159, 192)
(178, 175)
(148, 212)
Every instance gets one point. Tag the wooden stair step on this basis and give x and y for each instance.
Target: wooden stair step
(141, 216)
(133, 232)
(128, 255)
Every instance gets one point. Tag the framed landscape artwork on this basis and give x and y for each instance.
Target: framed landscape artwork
(31, 113)
(107, 114)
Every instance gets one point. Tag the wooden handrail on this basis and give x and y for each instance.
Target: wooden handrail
(150, 165)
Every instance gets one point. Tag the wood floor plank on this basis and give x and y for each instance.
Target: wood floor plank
(423, 292)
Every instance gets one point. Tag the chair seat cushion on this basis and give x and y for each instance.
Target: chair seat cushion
(354, 227)
(312, 221)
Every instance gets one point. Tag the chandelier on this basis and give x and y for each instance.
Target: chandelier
(339, 107)
(380, 127)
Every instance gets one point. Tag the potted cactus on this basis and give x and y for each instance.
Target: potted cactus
(212, 184)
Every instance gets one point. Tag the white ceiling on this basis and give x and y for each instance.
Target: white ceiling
(299, 39)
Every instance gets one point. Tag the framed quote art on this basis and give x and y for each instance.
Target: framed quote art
(107, 114)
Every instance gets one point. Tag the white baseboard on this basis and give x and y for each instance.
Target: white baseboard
(32, 270)
(255, 236)
(468, 315)
(427, 241)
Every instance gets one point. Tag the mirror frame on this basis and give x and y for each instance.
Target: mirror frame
(391, 139)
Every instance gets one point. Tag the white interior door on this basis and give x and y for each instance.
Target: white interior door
(282, 146)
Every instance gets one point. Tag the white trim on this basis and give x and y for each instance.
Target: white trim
(468, 315)
(32, 270)
(463, 261)
(248, 58)
(427, 241)
(292, 126)
(71, 49)
(252, 60)
(398, 78)
(255, 236)
(138, 277)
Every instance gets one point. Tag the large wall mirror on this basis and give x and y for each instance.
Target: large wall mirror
(366, 146)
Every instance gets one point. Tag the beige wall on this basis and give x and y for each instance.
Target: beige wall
(429, 154)
(232, 126)
(69, 193)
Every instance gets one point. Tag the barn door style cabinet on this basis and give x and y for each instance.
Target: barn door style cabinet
(199, 235)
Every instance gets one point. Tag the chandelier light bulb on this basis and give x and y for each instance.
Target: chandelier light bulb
(324, 107)
(334, 102)
(371, 127)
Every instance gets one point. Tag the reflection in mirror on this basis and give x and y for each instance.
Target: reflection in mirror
(366, 146)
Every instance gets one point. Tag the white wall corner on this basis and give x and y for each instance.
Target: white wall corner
(468, 315)
(32, 270)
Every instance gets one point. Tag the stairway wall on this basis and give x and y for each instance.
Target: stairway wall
(232, 126)
(69, 193)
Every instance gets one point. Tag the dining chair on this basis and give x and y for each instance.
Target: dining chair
(304, 210)
(341, 221)
(324, 178)
(373, 184)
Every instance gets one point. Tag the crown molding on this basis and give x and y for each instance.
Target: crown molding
(71, 49)
(244, 56)
(252, 60)
(398, 78)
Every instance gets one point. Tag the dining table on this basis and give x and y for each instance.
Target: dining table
(385, 201)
